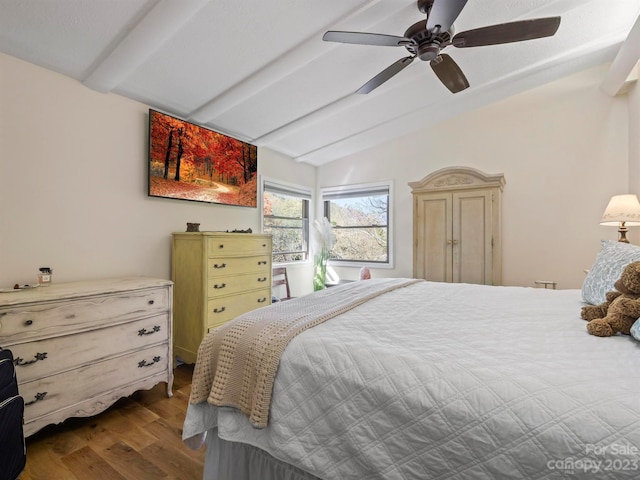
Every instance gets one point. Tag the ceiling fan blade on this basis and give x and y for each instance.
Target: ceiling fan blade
(443, 13)
(386, 74)
(362, 38)
(507, 32)
(449, 73)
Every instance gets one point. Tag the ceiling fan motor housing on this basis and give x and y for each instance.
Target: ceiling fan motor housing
(424, 43)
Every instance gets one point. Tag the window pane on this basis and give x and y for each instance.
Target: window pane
(359, 211)
(286, 219)
(283, 206)
(360, 222)
(360, 244)
(288, 235)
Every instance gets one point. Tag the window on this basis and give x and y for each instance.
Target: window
(286, 218)
(360, 218)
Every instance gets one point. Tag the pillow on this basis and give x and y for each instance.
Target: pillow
(610, 262)
(635, 330)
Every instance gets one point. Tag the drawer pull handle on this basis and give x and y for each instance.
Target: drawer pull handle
(70, 316)
(151, 302)
(144, 331)
(222, 265)
(263, 279)
(28, 322)
(262, 262)
(38, 396)
(219, 310)
(222, 285)
(264, 244)
(262, 300)
(221, 245)
(19, 362)
(143, 363)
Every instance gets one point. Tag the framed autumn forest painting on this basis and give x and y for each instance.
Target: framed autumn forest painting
(190, 162)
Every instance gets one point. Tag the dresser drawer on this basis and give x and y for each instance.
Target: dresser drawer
(55, 318)
(223, 309)
(52, 393)
(47, 357)
(230, 285)
(221, 246)
(217, 266)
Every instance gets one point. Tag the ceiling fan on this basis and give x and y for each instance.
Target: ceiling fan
(427, 38)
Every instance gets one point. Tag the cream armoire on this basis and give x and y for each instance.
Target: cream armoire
(457, 214)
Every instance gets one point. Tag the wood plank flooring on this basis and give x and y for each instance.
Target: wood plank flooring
(138, 438)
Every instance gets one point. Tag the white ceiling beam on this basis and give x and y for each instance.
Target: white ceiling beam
(322, 113)
(624, 63)
(160, 24)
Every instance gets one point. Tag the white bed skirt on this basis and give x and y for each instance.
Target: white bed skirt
(238, 461)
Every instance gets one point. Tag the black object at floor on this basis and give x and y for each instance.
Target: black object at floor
(13, 455)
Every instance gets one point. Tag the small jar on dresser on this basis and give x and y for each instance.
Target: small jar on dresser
(217, 276)
(80, 346)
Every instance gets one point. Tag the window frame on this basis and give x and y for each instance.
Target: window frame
(296, 191)
(360, 190)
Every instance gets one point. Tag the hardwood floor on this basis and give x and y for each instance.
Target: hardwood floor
(138, 438)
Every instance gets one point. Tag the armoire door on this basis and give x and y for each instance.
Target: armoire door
(457, 228)
(471, 237)
(433, 227)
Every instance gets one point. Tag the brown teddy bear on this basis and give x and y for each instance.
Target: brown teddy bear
(621, 309)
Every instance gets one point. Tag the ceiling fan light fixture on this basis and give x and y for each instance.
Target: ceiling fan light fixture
(428, 51)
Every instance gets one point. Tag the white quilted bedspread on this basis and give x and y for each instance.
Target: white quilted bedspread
(451, 381)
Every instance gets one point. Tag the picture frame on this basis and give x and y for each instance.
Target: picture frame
(191, 162)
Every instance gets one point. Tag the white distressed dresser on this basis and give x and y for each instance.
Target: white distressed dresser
(80, 346)
(217, 276)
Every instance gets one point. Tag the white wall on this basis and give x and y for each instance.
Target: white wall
(563, 149)
(73, 183)
(634, 135)
(73, 179)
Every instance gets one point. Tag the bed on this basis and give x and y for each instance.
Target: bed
(438, 381)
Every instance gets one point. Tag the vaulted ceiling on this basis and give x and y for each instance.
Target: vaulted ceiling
(260, 70)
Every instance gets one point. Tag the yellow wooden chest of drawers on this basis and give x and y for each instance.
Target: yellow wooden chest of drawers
(217, 276)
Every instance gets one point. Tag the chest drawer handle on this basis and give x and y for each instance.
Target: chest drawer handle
(222, 265)
(221, 245)
(263, 279)
(151, 302)
(262, 262)
(28, 322)
(144, 363)
(219, 310)
(19, 362)
(262, 300)
(37, 397)
(222, 285)
(144, 331)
